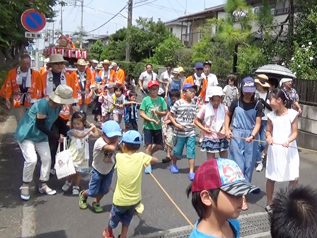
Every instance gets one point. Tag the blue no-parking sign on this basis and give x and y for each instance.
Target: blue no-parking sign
(33, 21)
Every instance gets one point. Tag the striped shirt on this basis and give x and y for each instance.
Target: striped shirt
(185, 114)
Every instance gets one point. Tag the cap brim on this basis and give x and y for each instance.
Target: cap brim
(60, 100)
(240, 188)
(249, 89)
(265, 85)
(193, 86)
(113, 134)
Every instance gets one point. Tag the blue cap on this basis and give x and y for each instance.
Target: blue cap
(111, 128)
(98, 79)
(248, 85)
(199, 65)
(132, 137)
(188, 85)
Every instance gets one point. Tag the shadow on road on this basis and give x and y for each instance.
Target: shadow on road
(53, 234)
(143, 229)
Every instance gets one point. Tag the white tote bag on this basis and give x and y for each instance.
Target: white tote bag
(63, 163)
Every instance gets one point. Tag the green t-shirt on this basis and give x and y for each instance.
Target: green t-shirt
(146, 106)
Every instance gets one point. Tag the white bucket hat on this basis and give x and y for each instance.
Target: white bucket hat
(62, 95)
(214, 91)
(284, 80)
(113, 64)
(94, 61)
(175, 71)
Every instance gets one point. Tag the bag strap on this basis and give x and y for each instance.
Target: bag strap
(65, 146)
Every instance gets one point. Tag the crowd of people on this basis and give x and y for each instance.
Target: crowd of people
(245, 125)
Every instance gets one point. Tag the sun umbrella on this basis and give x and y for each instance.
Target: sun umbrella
(275, 70)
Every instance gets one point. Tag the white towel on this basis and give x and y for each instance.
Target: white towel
(105, 75)
(199, 80)
(28, 78)
(50, 84)
(220, 117)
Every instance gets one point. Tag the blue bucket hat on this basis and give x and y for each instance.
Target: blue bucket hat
(248, 85)
(132, 137)
(98, 79)
(111, 129)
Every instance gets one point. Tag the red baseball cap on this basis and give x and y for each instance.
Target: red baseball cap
(152, 83)
(222, 174)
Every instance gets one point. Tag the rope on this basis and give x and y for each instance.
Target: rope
(169, 197)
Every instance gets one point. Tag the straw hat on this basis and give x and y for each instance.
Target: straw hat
(263, 80)
(181, 70)
(113, 64)
(94, 61)
(105, 62)
(214, 91)
(62, 95)
(56, 58)
(81, 62)
(99, 66)
(175, 71)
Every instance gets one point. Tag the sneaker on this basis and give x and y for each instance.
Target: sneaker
(66, 186)
(269, 209)
(191, 176)
(174, 169)
(96, 207)
(25, 192)
(166, 160)
(75, 190)
(149, 168)
(259, 167)
(107, 234)
(82, 201)
(44, 189)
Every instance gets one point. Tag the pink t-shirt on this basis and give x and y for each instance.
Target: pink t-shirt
(201, 116)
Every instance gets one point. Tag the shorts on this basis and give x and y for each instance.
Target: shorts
(214, 145)
(169, 135)
(121, 213)
(190, 146)
(131, 125)
(153, 137)
(99, 183)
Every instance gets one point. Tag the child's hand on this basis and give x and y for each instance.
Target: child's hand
(286, 144)
(180, 127)
(249, 139)
(207, 130)
(269, 140)
(92, 126)
(156, 122)
(154, 110)
(228, 134)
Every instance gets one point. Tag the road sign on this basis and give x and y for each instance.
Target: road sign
(31, 35)
(33, 20)
(30, 47)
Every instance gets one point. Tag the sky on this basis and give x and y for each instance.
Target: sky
(97, 12)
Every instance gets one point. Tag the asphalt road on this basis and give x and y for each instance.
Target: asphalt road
(60, 217)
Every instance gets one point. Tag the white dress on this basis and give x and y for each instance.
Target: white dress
(282, 163)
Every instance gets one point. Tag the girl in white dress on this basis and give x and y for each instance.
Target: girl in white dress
(79, 149)
(281, 133)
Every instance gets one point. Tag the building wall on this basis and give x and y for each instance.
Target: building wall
(176, 30)
(307, 126)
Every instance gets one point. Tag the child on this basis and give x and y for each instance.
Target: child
(295, 213)
(127, 195)
(131, 112)
(102, 166)
(217, 192)
(106, 100)
(168, 128)
(152, 109)
(182, 116)
(118, 99)
(231, 91)
(79, 149)
(213, 115)
(97, 105)
(282, 161)
(246, 115)
(262, 94)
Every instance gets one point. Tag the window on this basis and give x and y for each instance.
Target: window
(171, 29)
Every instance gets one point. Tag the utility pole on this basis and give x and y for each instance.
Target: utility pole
(61, 19)
(81, 25)
(185, 7)
(127, 52)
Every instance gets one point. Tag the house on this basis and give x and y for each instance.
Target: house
(90, 40)
(187, 28)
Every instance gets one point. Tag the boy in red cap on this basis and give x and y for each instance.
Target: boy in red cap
(152, 108)
(217, 192)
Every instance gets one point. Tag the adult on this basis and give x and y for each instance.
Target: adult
(106, 72)
(175, 83)
(85, 85)
(262, 94)
(145, 77)
(165, 78)
(50, 80)
(211, 78)
(44, 68)
(32, 135)
(286, 85)
(181, 74)
(117, 74)
(25, 86)
(93, 64)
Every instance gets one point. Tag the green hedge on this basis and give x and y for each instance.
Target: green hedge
(3, 75)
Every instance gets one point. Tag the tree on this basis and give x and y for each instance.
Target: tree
(96, 50)
(115, 49)
(11, 30)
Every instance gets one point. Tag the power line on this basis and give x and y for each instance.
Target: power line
(173, 7)
(98, 10)
(108, 20)
(90, 2)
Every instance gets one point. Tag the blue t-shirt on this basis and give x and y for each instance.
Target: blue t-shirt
(27, 129)
(235, 225)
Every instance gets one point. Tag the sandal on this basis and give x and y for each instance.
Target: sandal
(47, 190)
(244, 204)
(25, 192)
(269, 209)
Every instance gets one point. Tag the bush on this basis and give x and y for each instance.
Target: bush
(3, 75)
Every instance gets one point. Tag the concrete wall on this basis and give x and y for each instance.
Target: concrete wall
(307, 126)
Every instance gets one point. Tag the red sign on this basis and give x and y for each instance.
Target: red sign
(33, 21)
